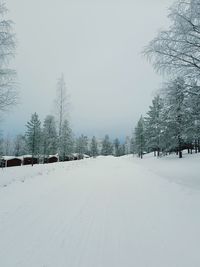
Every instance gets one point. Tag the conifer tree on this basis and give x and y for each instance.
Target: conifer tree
(94, 147)
(107, 147)
(82, 145)
(67, 141)
(33, 136)
(140, 137)
(153, 125)
(175, 107)
(193, 116)
(49, 136)
(117, 148)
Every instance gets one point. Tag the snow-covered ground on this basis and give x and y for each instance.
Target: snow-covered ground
(103, 212)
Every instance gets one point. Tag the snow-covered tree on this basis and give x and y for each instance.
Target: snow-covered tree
(176, 50)
(49, 136)
(153, 125)
(140, 137)
(1, 145)
(7, 146)
(61, 104)
(8, 93)
(94, 147)
(82, 145)
(117, 147)
(175, 113)
(107, 147)
(33, 136)
(122, 150)
(20, 145)
(193, 116)
(128, 145)
(67, 141)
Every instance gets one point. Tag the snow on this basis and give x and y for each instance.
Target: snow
(101, 212)
(6, 158)
(185, 172)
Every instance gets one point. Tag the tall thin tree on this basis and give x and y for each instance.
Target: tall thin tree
(8, 92)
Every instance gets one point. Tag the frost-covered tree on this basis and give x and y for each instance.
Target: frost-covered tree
(82, 145)
(19, 145)
(7, 146)
(107, 147)
(94, 147)
(122, 150)
(193, 116)
(49, 136)
(175, 113)
(140, 137)
(1, 145)
(133, 145)
(62, 107)
(128, 145)
(117, 147)
(8, 93)
(153, 125)
(33, 136)
(67, 141)
(176, 50)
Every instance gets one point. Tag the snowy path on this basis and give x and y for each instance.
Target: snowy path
(106, 212)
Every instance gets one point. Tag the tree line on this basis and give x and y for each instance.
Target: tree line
(42, 140)
(54, 135)
(173, 120)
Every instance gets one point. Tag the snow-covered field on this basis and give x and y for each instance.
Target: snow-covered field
(104, 212)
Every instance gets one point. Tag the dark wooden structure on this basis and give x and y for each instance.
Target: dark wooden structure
(10, 162)
(52, 159)
(28, 160)
(14, 162)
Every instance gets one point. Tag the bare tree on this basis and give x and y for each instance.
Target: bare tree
(8, 93)
(177, 50)
(62, 108)
(61, 103)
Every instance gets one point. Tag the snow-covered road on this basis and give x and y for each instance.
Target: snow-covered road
(105, 212)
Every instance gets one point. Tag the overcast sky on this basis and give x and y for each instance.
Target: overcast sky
(97, 45)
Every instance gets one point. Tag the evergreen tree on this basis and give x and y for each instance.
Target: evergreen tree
(67, 141)
(33, 136)
(140, 137)
(82, 145)
(127, 145)
(94, 147)
(175, 107)
(117, 147)
(49, 136)
(107, 147)
(153, 125)
(122, 150)
(193, 116)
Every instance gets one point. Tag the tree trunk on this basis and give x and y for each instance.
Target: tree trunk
(196, 147)
(180, 147)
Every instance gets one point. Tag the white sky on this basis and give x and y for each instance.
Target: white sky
(97, 45)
